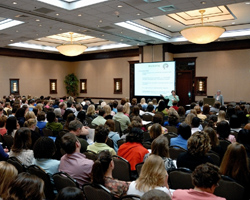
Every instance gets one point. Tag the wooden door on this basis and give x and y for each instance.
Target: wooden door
(184, 87)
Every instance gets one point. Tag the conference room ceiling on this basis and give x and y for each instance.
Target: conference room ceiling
(114, 24)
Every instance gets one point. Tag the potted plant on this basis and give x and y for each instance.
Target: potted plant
(71, 82)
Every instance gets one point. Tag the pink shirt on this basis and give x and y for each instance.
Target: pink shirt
(77, 166)
(192, 194)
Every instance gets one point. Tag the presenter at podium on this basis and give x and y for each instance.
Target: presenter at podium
(171, 98)
(219, 97)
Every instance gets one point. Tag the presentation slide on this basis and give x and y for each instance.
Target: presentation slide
(153, 79)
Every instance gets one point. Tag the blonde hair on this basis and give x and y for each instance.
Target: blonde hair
(199, 144)
(189, 118)
(153, 174)
(30, 122)
(126, 108)
(8, 173)
(29, 115)
(221, 116)
(107, 109)
(39, 107)
(143, 100)
(91, 110)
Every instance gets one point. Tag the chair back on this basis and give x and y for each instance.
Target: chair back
(147, 117)
(48, 187)
(8, 141)
(17, 163)
(118, 127)
(170, 135)
(110, 143)
(47, 132)
(120, 142)
(180, 179)
(90, 155)
(146, 145)
(96, 192)
(146, 136)
(215, 158)
(121, 170)
(171, 129)
(62, 180)
(174, 151)
(130, 197)
(138, 168)
(229, 189)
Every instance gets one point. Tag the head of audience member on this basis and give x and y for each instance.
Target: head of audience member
(91, 110)
(196, 122)
(8, 174)
(223, 129)
(217, 104)
(119, 108)
(70, 143)
(39, 106)
(20, 112)
(143, 101)
(135, 123)
(136, 110)
(235, 162)
(157, 118)
(206, 109)
(41, 116)
(199, 144)
(193, 111)
(123, 101)
(44, 148)
(244, 137)
(135, 135)
(66, 113)
(205, 177)
(160, 146)
(155, 195)
(214, 141)
(30, 123)
(22, 140)
(75, 127)
(235, 121)
(101, 133)
(101, 112)
(115, 103)
(162, 106)
(58, 113)
(81, 116)
(3, 120)
(224, 108)
(11, 124)
(154, 101)
(197, 109)
(51, 117)
(70, 193)
(173, 117)
(26, 186)
(181, 111)
(134, 102)
(212, 121)
(184, 130)
(150, 108)
(103, 165)
(247, 126)
(175, 103)
(221, 116)
(189, 118)
(192, 105)
(155, 131)
(126, 108)
(107, 110)
(111, 124)
(152, 167)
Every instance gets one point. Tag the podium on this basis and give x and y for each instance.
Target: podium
(209, 101)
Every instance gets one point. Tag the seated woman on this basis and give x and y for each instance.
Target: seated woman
(222, 116)
(126, 109)
(44, 149)
(91, 112)
(41, 124)
(21, 146)
(157, 118)
(198, 146)
(223, 130)
(161, 109)
(8, 174)
(154, 132)
(12, 126)
(153, 175)
(184, 132)
(3, 120)
(20, 116)
(101, 136)
(173, 118)
(102, 174)
(160, 147)
(181, 112)
(112, 134)
(135, 112)
(235, 165)
(31, 124)
(26, 186)
(205, 179)
(107, 110)
(70, 193)
(132, 150)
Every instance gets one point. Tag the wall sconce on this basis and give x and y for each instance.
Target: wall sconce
(117, 85)
(83, 85)
(201, 86)
(14, 86)
(53, 86)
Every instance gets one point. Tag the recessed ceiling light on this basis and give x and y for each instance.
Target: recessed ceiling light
(120, 6)
(138, 14)
(79, 15)
(102, 35)
(248, 3)
(169, 25)
(121, 39)
(98, 26)
(40, 24)
(100, 21)
(233, 22)
(203, 2)
(121, 31)
(57, 14)
(60, 29)
(14, 2)
(38, 20)
(151, 18)
(11, 40)
(17, 31)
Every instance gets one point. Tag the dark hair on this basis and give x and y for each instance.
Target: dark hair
(160, 146)
(234, 121)
(20, 112)
(69, 143)
(136, 110)
(135, 135)
(206, 109)
(69, 104)
(150, 108)
(101, 112)
(196, 122)
(155, 131)
(71, 117)
(81, 116)
(66, 113)
(205, 176)
(44, 147)
(3, 120)
(101, 133)
(181, 111)
(51, 116)
(161, 106)
(100, 167)
(11, 123)
(26, 186)
(22, 140)
(214, 141)
(223, 129)
(70, 193)
(184, 130)
(157, 118)
(111, 124)
(123, 101)
(41, 116)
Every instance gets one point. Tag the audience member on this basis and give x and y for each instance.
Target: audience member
(154, 132)
(216, 108)
(195, 125)
(102, 174)
(192, 105)
(181, 113)
(244, 138)
(155, 195)
(126, 109)
(199, 113)
(91, 112)
(3, 120)
(31, 124)
(52, 123)
(184, 132)
(112, 134)
(157, 118)
(41, 124)
(99, 120)
(73, 162)
(222, 116)
(120, 117)
(70, 193)
(223, 130)
(107, 110)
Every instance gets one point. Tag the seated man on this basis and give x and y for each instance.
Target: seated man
(120, 117)
(99, 120)
(77, 128)
(205, 179)
(52, 122)
(101, 137)
(73, 162)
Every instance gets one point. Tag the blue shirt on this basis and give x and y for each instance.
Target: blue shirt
(179, 141)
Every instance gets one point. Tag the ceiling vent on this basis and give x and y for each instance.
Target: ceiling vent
(151, 1)
(168, 8)
(44, 10)
(22, 16)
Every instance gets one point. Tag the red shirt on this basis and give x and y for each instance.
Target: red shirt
(133, 152)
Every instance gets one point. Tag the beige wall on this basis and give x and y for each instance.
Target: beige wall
(228, 71)
(34, 75)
